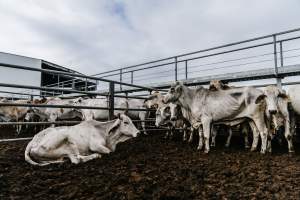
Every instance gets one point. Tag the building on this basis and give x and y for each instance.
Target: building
(34, 78)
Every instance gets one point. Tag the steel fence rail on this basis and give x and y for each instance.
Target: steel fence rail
(66, 90)
(71, 106)
(72, 75)
(56, 122)
(209, 49)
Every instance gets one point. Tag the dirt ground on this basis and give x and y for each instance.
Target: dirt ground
(150, 167)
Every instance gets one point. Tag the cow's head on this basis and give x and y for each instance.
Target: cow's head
(153, 100)
(272, 95)
(163, 114)
(215, 85)
(29, 115)
(174, 92)
(174, 110)
(123, 129)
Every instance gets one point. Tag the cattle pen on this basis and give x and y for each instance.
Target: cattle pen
(149, 167)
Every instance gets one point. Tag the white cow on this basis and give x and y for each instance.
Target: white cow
(215, 85)
(100, 114)
(14, 113)
(80, 143)
(167, 114)
(223, 106)
(55, 114)
(294, 96)
(278, 114)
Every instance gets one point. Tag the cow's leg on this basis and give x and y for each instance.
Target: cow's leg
(57, 154)
(245, 134)
(229, 137)
(213, 136)
(171, 132)
(288, 135)
(191, 135)
(206, 133)
(89, 157)
(292, 117)
(263, 131)
(184, 132)
(168, 132)
(200, 131)
(142, 116)
(255, 136)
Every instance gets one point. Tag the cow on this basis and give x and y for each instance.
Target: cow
(230, 106)
(167, 114)
(154, 100)
(219, 85)
(100, 114)
(294, 105)
(80, 143)
(278, 114)
(55, 114)
(14, 113)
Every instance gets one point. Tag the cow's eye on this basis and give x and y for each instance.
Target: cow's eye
(126, 123)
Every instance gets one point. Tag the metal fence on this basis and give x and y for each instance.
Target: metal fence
(110, 95)
(269, 51)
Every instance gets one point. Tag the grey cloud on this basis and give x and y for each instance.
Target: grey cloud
(94, 36)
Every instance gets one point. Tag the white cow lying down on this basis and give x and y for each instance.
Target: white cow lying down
(79, 143)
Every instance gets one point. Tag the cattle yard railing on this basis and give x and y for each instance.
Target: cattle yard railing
(110, 95)
(269, 51)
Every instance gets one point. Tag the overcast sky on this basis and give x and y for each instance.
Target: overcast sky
(97, 35)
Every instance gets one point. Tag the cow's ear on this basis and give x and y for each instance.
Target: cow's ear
(178, 88)
(225, 87)
(260, 98)
(114, 126)
(283, 95)
(119, 115)
(212, 88)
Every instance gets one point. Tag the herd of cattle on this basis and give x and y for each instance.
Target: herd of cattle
(204, 110)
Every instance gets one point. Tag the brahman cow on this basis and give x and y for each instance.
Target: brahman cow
(278, 114)
(215, 85)
(123, 103)
(80, 143)
(14, 113)
(230, 106)
(168, 114)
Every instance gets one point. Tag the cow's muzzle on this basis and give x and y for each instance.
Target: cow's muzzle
(173, 118)
(272, 112)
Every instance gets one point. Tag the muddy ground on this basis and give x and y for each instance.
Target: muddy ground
(149, 167)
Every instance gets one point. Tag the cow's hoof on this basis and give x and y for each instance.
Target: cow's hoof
(253, 149)
(291, 152)
(247, 147)
(263, 151)
(206, 151)
(227, 145)
(199, 148)
(190, 141)
(212, 144)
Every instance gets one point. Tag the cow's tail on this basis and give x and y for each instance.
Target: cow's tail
(28, 158)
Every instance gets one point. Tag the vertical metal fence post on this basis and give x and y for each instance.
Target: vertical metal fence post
(281, 54)
(278, 79)
(132, 77)
(111, 100)
(176, 69)
(186, 70)
(120, 78)
(85, 85)
(58, 80)
(73, 84)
